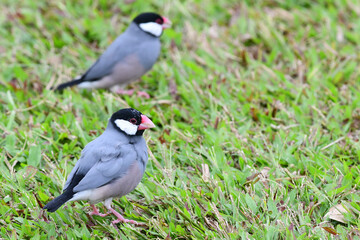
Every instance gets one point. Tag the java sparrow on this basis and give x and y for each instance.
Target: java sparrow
(130, 56)
(110, 166)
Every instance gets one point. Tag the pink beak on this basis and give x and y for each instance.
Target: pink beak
(167, 23)
(145, 123)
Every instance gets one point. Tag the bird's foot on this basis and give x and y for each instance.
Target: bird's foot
(122, 219)
(125, 92)
(143, 94)
(99, 214)
(131, 92)
(96, 212)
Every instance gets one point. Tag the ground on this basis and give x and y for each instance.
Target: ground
(256, 104)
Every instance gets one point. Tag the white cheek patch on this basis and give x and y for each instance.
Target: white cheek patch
(152, 27)
(126, 126)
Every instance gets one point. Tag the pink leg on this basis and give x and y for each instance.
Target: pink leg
(143, 94)
(131, 92)
(125, 92)
(121, 218)
(96, 212)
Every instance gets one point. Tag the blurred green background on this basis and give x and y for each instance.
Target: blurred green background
(256, 103)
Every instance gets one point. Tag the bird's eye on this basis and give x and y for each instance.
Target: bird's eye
(133, 120)
(159, 21)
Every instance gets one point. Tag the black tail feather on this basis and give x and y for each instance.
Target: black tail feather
(69, 84)
(68, 193)
(58, 201)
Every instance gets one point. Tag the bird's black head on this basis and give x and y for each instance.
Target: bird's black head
(152, 23)
(131, 121)
(148, 17)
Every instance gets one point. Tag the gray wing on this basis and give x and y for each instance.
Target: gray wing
(117, 51)
(89, 157)
(112, 165)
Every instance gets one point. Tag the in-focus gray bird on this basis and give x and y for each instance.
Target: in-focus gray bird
(130, 56)
(110, 166)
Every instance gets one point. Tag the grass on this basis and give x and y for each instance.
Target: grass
(256, 103)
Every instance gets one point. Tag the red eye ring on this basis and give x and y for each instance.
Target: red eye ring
(159, 21)
(133, 121)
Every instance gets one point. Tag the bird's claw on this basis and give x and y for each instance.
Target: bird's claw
(125, 92)
(131, 92)
(143, 94)
(99, 214)
(96, 212)
(123, 220)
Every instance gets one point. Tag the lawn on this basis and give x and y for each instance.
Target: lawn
(256, 103)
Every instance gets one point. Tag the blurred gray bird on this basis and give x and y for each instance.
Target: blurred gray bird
(110, 166)
(130, 56)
